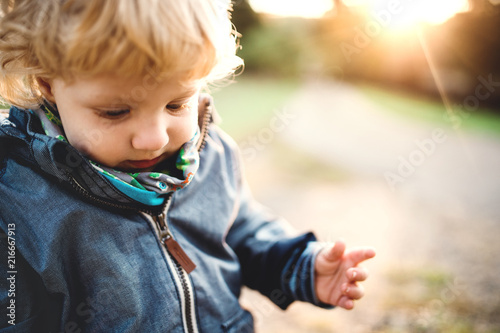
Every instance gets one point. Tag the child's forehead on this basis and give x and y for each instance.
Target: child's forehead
(119, 88)
(109, 84)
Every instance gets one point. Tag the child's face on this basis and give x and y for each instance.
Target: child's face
(126, 124)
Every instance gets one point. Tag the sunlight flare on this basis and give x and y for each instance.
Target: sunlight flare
(410, 12)
(308, 9)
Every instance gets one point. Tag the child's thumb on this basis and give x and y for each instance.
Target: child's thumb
(336, 251)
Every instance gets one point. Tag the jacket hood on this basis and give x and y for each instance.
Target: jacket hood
(22, 137)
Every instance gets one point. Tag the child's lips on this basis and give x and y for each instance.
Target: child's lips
(144, 164)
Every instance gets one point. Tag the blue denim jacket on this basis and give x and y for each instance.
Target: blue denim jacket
(84, 257)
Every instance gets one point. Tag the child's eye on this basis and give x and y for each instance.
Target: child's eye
(177, 107)
(112, 114)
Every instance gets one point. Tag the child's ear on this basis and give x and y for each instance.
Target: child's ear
(45, 87)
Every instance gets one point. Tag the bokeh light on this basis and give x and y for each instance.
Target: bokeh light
(409, 14)
(312, 8)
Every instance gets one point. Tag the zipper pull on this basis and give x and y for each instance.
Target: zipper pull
(178, 253)
(173, 247)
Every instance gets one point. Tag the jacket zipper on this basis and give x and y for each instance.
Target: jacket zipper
(182, 265)
(170, 243)
(177, 259)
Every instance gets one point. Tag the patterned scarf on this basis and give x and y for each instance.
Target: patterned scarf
(146, 187)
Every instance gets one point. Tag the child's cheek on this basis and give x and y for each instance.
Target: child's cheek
(82, 146)
(86, 143)
(194, 116)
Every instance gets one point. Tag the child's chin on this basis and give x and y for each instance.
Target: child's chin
(133, 170)
(141, 170)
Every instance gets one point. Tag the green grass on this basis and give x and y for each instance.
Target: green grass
(428, 110)
(431, 300)
(250, 102)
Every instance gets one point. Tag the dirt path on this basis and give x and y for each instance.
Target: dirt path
(427, 197)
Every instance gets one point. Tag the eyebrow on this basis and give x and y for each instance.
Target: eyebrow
(189, 91)
(186, 95)
(119, 99)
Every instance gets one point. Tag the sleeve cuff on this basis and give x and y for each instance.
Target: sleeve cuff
(298, 276)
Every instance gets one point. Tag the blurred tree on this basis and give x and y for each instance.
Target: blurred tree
(244, 17)
(270, 46)
(279, 46)
(464, 49)
(468, 44)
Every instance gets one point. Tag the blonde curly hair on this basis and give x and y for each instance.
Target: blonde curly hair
(68, 38)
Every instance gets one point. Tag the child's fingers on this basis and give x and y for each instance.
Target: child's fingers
(357, 274)
(336, 251)
(346, 303)
(361, 254)
(353, 290)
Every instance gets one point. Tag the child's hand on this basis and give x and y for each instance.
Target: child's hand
(337, 274)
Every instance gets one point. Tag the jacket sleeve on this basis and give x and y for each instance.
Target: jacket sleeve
(274, 261)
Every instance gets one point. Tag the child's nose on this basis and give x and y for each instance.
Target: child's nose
(151, 136)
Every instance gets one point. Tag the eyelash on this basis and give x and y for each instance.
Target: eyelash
(177, 108)
(115, 114)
